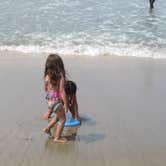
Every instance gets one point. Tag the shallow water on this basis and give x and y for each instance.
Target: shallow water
(89, 27)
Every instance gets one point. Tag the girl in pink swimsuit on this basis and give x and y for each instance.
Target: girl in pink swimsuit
(54, 79)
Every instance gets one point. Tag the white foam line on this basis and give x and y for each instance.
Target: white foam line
(90, 50)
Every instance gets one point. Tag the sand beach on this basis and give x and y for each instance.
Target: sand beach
(121, 102)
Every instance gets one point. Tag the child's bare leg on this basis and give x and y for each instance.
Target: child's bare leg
(62, 118)
(50, 125)
(74, 109)
(58, 132)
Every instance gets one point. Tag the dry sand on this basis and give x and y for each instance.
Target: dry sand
(121, 101)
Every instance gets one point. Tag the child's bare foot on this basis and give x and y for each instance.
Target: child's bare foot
(59, 140)
(47, 131)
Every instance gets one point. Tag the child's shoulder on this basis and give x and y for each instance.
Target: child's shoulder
(46, 78)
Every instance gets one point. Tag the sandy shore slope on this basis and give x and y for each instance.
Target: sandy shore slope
(121, 101)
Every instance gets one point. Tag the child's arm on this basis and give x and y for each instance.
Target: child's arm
(75, 107)
(46, 80)
(48, 113)
(63, 93)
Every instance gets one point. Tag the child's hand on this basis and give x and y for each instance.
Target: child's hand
(46, 115)
(66, 108)
(78, 117)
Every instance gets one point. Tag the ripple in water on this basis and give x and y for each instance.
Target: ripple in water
(94, 28)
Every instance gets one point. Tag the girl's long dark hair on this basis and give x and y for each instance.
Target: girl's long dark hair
(54, 67)
(70, 87)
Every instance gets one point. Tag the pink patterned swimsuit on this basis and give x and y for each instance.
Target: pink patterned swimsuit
(54, 100)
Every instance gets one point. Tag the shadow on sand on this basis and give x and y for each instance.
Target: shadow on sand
(86, 120)
(89, 138)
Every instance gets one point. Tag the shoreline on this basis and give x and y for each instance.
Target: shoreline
(10, 54)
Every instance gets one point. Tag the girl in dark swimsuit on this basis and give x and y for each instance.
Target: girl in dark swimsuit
(71, 89)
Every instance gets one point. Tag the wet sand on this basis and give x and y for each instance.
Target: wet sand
(121, 101)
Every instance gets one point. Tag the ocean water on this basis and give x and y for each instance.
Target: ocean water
(84, 27)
